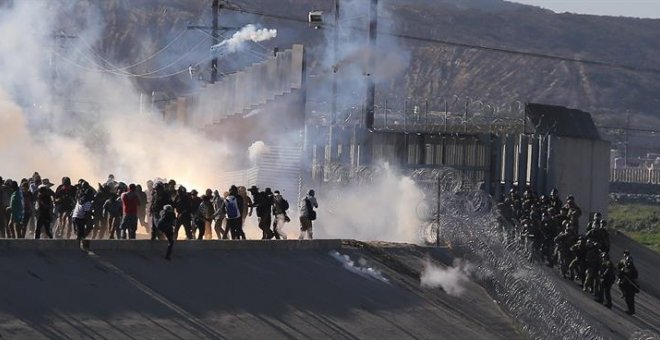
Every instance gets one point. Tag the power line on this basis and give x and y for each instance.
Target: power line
(125, 68)
(464, 45)
(100, 69)
(157, 52)
(148, 75)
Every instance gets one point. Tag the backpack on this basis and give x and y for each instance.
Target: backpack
(285, 205)
(311, 214)
(232, 208)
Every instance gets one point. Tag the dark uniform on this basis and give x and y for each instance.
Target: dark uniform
(549, 230)
(606, 276)
(533, 240)
(628, 281)
(574, 212)
(603, 236)
(564, 241)
(577, 266)
(553, 200)
(592, 261)
(595, 222)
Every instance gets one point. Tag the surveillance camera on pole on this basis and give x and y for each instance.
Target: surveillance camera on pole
(316, 19)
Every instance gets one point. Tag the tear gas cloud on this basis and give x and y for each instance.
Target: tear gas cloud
(65, 137)
(451, 279)
(385, 209)
(392, 59)
(257, 149)
(247, 33)
(93, 125)
(351, 67)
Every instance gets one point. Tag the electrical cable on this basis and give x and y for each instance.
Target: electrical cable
(100, 69)
(151, 74)
(465, 45)
(157, 52)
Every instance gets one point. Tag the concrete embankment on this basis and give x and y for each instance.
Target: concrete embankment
(232, 289)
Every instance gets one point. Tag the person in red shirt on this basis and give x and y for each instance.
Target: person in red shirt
(130, 203)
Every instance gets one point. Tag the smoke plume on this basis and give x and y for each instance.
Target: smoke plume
(451, 279)
(247, 33)
(385, 209)
(74, 117)
(257, 149)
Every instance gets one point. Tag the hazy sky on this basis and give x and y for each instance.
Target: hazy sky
(630, 8)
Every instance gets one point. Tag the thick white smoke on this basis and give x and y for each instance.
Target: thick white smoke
(22, 152)
(257, 149)
(248, 33)
(385, 210)
(451, 279)
(349, 60)
(93, 125)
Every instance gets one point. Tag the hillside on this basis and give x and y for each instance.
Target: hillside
(136, 29)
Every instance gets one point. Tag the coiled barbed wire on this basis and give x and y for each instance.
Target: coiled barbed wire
(455, 210)
(645, 335)
(466, 219)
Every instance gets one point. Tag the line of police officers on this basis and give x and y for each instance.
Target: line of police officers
(549, 229)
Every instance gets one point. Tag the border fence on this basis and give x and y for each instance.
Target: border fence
(635, 175)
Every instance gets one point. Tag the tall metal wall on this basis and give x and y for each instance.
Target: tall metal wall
(496, 163)
(239, 93)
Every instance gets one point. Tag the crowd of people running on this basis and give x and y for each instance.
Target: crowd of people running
(550, 231)
(548, 227)
(113, 210)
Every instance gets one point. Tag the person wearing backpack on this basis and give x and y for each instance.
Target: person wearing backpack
(204, 216)
(280, 206)
(234, 206)
(307, 215)
(263, 202)
(113, 209)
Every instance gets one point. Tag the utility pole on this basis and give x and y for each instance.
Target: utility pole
(57, 41)
(371, 83)
(216, 39)
(215, 29)
(335, 61)
(332, 140)
(366, 148)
